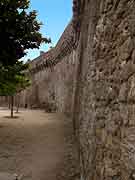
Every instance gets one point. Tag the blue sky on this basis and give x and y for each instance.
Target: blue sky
(55, 15)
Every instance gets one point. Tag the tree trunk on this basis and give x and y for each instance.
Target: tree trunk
(12, 106)
(9, 102)
(17, 110)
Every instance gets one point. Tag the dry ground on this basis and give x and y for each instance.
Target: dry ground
(32, 145)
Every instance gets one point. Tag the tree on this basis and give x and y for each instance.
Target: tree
(14, 81)
(23, 83)
(19, 30)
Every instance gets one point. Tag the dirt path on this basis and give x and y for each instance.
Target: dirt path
(33, 145)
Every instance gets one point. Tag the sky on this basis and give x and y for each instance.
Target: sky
(55, 16)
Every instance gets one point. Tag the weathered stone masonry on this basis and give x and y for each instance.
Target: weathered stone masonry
(54, 72)
(105, 110)
(94, 77)
(53, 76)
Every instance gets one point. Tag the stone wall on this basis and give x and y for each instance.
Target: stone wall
(105, 106)
(52, 88)
(99, 88)
(90, 74)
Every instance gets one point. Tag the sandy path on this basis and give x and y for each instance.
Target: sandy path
(32, 145)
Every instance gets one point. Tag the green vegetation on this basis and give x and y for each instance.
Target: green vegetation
(19, 31)
(13, 81)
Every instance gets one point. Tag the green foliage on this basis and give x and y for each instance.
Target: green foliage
(23, 82)
(19, 30)
(13, 79)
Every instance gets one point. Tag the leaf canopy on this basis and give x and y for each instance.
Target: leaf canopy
(19, 30)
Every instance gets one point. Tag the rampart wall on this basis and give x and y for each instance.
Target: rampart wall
(91, 75)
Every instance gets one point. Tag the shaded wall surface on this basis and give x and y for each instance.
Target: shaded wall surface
(105, 106)
(53, 87)
(91, 74)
